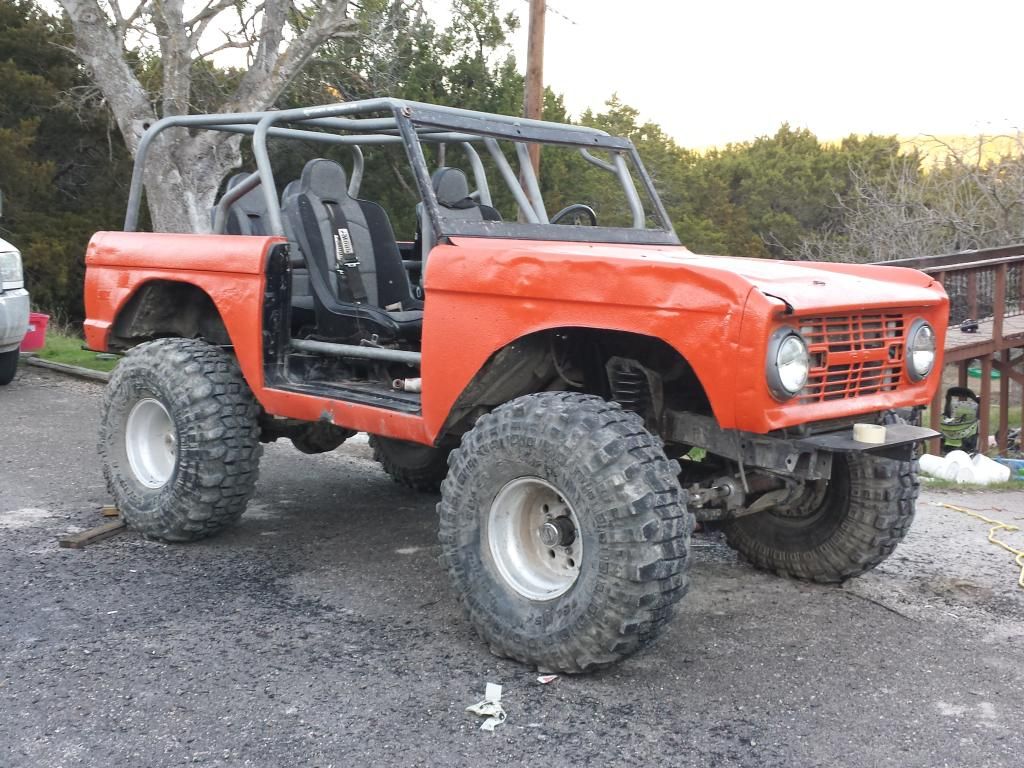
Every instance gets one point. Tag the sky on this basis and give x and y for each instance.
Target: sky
(732, 70)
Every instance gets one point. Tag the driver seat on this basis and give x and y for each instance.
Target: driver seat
(359, 286)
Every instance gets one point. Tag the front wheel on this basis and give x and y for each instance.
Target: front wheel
(179, 439)
(840, 528)
(564, 531)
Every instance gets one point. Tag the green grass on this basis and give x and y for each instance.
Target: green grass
(68, 349)
(949, 485)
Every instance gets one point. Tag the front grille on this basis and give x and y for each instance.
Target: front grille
(852, 355)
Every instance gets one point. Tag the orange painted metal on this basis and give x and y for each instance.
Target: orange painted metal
(230, 269)
(717, 312)
(482, 294)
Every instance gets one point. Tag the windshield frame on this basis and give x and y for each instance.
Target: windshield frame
(424, 123)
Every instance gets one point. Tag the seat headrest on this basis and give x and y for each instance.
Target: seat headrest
(291, 190)
(324, 178)
(450, 187)
(252, 202)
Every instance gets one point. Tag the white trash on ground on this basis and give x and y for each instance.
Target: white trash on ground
(490, 708)
(958, 467)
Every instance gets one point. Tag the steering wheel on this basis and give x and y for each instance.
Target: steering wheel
(578, 209)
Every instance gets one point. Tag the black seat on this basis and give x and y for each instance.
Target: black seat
(359, 285)
(248, 214)
(302, 296)
(451, 188)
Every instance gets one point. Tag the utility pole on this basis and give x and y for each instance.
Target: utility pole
(533, 101)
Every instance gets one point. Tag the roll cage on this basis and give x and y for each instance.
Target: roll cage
(392, 121)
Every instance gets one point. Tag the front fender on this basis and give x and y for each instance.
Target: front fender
(484, 294)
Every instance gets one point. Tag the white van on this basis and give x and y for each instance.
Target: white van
(14, 308)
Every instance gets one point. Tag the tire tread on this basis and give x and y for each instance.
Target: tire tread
(647, 536)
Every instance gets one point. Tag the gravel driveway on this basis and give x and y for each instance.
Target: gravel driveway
(320, 632)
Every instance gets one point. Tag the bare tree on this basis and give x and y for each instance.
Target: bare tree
(183, 176)
(972, 197)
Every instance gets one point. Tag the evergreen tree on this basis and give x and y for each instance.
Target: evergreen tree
(62, 169)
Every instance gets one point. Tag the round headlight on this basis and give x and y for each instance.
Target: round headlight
(788, 363)
(920, 350)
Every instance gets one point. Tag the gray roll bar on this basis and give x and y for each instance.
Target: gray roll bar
(355, 179)
(479, 175)
(532, 188)
(510, 180)
(603, 164)
(385, 121)
(635, 206)
(353, 350)
(232, 196)
(252, 181)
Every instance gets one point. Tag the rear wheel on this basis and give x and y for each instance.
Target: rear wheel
(839, 528)
(564, 531)
(420, 467)
(179, 439)
(8, 366)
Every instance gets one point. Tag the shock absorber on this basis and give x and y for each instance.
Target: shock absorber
(629, 387)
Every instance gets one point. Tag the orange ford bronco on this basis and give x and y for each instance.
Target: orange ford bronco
(578, 385)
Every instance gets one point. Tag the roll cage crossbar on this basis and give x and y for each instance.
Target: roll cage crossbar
(409, 124)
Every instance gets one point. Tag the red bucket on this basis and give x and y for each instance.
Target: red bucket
(35, 339)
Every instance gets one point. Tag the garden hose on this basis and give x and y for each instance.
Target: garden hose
(996, 526)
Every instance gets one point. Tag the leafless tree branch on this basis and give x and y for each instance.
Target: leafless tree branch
(972, 199)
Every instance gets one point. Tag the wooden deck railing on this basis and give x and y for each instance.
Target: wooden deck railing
(986, 323)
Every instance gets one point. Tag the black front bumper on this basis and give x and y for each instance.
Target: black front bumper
(802, 458)
(899, 441)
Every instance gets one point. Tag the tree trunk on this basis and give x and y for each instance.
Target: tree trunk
(183, 173)
(183, 176)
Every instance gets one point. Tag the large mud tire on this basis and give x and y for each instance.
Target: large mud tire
(419, 467)
(8, 366)
(629, 515)
(193, 395)
(865, 511)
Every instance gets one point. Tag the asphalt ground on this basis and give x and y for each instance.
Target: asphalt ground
(321, 632)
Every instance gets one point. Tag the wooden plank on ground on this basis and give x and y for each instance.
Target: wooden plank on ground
(100, 532)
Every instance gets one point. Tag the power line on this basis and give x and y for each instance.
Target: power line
(556, 12)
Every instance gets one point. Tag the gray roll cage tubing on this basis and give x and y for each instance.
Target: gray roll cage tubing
(411, 123)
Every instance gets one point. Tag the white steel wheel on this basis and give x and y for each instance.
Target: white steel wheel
(179, 439)
(564, 531)
(534, 539)
(151, 443)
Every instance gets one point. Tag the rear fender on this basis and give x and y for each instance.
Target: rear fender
(229, 270)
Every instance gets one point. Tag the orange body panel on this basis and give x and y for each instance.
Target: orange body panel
(717, 312)
(230, 269)
(482, 294)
